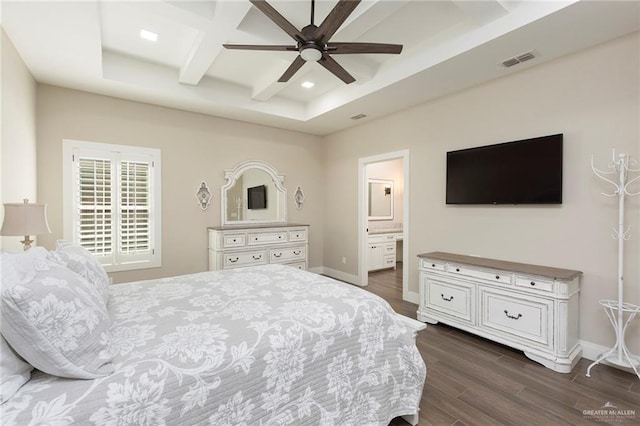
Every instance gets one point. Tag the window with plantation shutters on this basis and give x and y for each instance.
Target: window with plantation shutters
(112, 203)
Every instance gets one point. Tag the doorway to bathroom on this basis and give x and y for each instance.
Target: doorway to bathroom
(383, 217)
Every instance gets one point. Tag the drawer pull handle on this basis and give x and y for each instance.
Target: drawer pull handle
(512, 316)
(297, 252)
(234, 240)
(433, 265)
(297, 235)
(277, 254)
(447, 300)
(234, 260)
(279, 237)
(532, 283)
(497, 277)
(457, 269)
(257, 257)
(256, 238)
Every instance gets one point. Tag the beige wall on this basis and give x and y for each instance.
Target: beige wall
(592, 97)
(194, 148)
(18, 144)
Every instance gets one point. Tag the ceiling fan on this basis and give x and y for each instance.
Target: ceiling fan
(312, 42)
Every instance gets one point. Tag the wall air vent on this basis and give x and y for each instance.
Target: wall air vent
(518, 59)
(358, 116)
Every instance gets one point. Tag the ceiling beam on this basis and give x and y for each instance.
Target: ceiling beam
(207, 47)
(482, 12)
(266, 86)
(367, 15)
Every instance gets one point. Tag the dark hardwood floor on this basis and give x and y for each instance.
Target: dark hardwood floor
(473, 381)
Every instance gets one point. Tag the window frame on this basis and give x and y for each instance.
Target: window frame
(118, 154)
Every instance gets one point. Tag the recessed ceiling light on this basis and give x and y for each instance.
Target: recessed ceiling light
(148, 35)
(308, 84)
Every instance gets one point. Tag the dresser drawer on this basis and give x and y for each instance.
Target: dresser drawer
(389, 248)
(299, 265)
(453, 299)
(287, 254)
(534, 283)
(245, 258)
(375, 238)
(234, 240)
(389, 238)
(390, 261)
(267, 237)
(298, 235)
(526, 319)
(427, 264)
(485, 274)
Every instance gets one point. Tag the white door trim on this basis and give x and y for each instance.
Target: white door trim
(363, 201)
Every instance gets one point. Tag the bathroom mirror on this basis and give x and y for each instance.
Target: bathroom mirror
(380, 199)
(253, 194)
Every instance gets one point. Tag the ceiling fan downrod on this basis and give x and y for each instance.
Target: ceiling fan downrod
(313, 8)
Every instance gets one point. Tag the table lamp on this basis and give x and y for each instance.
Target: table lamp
(25, 219)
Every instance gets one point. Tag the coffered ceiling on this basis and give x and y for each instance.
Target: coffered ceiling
(449, 45)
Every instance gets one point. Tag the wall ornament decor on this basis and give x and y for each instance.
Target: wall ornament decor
(617, 310)
(298, 196)
(203, 195)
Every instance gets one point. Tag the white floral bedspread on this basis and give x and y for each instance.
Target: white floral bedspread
(253, 346)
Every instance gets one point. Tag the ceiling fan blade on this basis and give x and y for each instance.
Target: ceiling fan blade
(334, 20)
(260, 47)
(340, 48)
(293, 68)
(278, 19)
(329, 63)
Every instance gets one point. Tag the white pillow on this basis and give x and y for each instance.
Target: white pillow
(14, 372)
(83, 263)
(18, 267)
(58, 323)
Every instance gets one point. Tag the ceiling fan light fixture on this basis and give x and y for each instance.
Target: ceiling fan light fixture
(312, 42)
(310, 54)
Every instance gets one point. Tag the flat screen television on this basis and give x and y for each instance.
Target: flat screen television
(527, 171)
(257, 197)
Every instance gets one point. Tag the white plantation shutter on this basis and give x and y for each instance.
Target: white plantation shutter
(94, 207)
(115, 203)
(134, 210)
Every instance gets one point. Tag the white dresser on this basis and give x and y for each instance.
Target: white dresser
(528, 307)
(237, 246)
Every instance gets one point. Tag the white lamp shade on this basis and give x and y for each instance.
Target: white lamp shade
(22, 219)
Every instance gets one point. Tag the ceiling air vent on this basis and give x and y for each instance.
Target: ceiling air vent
(358, 116)
(518, 59)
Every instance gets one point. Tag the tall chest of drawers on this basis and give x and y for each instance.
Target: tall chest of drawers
(235, 246)
(528, 307)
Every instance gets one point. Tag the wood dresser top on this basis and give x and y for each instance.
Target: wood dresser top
(525, 268)
(255, 226)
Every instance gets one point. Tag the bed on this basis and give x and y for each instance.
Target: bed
(250, 346)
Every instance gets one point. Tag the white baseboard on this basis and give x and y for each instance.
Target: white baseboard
(591, 351)
(334, 273)
(412, 297)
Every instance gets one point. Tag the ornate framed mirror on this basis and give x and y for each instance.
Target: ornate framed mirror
(380, 199)
(254, 194)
